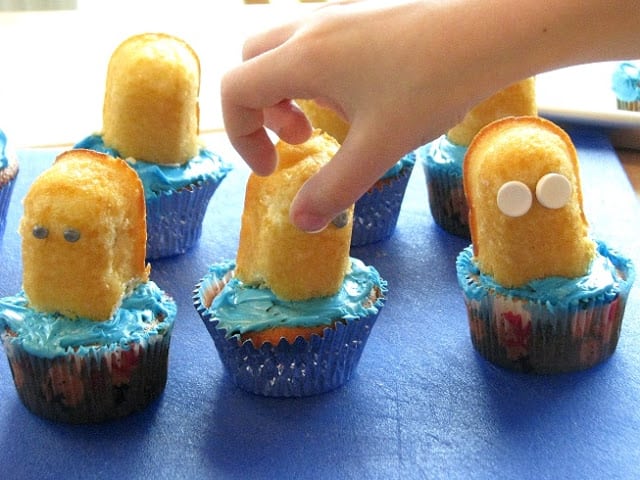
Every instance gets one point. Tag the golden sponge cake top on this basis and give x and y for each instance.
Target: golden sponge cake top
(522, 182)
(151, 109)
(83, 235)
(518, 99)
(325, 119)
(273, 253)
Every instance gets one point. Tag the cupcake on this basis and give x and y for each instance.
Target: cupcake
(292, 314)
(542, 296)
(8, 175)
(376, 212)
(87, 338)
(442, 159)
(626, 86)
(151, 119)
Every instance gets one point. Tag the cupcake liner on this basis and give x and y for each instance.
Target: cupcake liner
(174, 219)
(631, 106)
(447, 201)
(376, 212)
(96, 386)
(536, 336)
(303, 368)
(6, 190)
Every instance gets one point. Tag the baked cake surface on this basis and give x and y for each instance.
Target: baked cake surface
(83, 235)
(522, 183)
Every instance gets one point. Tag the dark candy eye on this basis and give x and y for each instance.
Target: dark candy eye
(341, 219)
(40, 232)
(71, 235)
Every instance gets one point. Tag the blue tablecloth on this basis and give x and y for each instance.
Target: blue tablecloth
(423, 404)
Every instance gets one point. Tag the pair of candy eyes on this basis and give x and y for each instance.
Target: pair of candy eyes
(553, 191)
(71, 235)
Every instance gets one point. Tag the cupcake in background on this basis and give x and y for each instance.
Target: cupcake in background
(151, 119)
(625, 83)
(542, 296)
(443, 158)
(8, 174)
(376, 212)
(87, 338)
(291, 315)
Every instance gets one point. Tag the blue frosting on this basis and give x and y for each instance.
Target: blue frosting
(145, 312)
(241, 308)
(206, 166)
(608, 274)
(407, 161)
(4, 161)
(442, 156)
(626, 82)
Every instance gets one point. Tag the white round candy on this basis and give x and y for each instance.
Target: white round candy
(514, 199)
(553, 190)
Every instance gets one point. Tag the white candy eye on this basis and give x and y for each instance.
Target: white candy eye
(553, 190)
(514, 199)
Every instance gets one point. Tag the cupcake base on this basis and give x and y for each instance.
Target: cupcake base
(442, 164)
(302, 368)
(376, 213)
(530, 335)
(95, 387)
(630, 106)
(174, 219)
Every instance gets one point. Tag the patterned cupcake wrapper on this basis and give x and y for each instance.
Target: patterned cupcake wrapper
(100, 385)
(304, 368)
(537, 337)
(447, 201)
(5, 199)
(174, 219)
(631, 106)
(376, 212)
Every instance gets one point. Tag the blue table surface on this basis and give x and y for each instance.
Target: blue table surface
(423, 403)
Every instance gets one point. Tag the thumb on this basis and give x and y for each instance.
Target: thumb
(359, 163)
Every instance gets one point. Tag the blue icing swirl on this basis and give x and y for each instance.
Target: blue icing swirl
(626, 82)
(442, 156)
(407, 161)
(206, 166)
(4, 161)
(241, 308)
(145, 312)
(609, 274)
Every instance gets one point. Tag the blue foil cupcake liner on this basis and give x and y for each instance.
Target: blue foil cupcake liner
(376, 213)
(99, 385)
(10, 173)
(174, 219)
(535, 336)
(303, 368)
(447, 200)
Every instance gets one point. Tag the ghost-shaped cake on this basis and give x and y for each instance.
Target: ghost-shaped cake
(541, 294)
(291, 316)
(88, 337)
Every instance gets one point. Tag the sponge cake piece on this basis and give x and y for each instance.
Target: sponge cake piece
(535, 226)
(83, 236)
(518, 99)
(151, 109)
(274, 253)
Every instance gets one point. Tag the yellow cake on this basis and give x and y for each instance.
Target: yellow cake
(518, 99)
(514, 248)
(151, 109)
(274, 253)
(83, 235)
